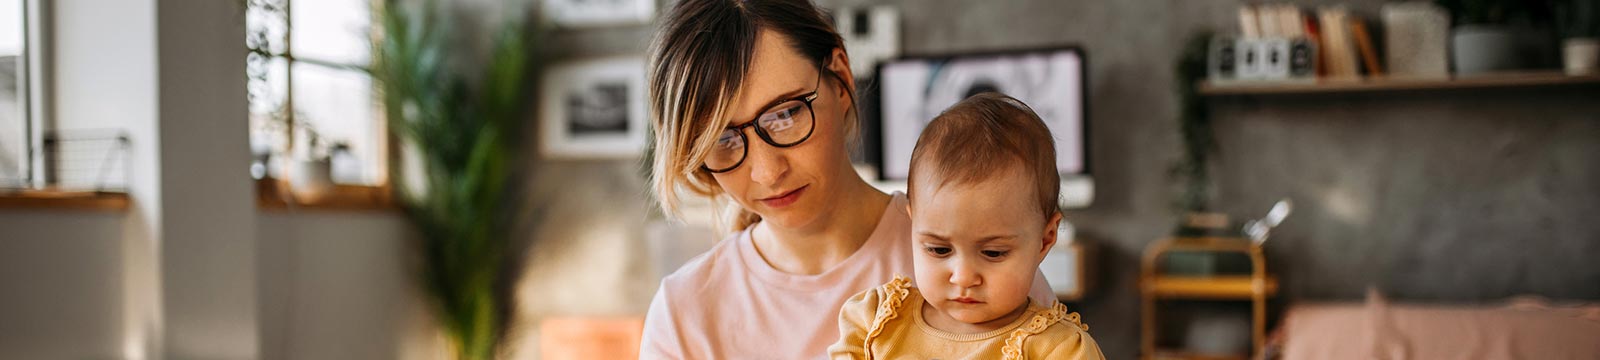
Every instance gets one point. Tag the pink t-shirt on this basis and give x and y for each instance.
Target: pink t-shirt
(730, 304)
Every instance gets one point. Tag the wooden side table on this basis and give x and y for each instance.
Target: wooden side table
(1155, 286)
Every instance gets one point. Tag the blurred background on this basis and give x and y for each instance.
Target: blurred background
(299, 179)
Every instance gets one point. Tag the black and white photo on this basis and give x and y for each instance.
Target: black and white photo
(594, 108)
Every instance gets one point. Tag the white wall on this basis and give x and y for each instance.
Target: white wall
(207, 258)
(94, 91)
(338, 285)
(60, 285)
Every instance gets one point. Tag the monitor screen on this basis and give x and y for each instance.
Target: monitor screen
(914, 90)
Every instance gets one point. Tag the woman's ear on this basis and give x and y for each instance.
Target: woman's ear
(839, 64)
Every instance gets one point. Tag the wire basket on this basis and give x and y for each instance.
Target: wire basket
(86, 160)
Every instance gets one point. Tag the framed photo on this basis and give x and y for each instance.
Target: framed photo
(915, 90)
(586, 13)
(593, 109)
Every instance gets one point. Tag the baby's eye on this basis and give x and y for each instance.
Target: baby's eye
(938, 250)
(995, 253)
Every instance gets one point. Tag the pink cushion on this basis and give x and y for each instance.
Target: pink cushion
(1520, 329)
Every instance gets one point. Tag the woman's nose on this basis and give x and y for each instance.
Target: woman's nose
(767, 163)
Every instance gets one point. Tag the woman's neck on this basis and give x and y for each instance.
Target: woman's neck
(815, 248)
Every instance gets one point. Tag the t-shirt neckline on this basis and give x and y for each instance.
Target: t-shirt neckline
(834, 276)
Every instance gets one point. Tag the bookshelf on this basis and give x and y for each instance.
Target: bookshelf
(1533, 79)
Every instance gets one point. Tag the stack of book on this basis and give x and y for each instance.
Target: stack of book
(1283, 42)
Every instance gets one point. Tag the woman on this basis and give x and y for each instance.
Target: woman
(753, 101)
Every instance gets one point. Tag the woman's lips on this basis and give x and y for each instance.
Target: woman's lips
(785, 199)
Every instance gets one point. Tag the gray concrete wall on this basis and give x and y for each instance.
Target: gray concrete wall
(1459, 196)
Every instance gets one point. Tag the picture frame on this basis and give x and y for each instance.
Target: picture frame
(913, 90)
(593, 13)
(593, 109)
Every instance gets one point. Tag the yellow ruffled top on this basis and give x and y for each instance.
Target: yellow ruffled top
(886, 322)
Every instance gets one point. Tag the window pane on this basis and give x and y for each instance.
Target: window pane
(339, 106)
(269, 133)
(331, 30)
(265, 25)
(13, 129)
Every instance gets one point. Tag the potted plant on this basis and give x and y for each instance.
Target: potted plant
(1191, 174)
(311, 175)
(462, 129)
(1578, 24)
(1482, 38)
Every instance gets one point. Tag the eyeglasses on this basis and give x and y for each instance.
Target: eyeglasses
(784, 125)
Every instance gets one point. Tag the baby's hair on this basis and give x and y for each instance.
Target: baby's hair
(980, 138)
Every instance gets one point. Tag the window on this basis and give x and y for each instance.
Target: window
(15, 142)
(311, 96)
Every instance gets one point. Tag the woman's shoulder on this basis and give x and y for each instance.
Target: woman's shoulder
(702, 269)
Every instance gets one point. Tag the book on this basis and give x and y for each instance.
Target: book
(1289, 21)
(1249, 23)
(1339, 52)
(1369, 57)
(1314, 37)
(1267, 16)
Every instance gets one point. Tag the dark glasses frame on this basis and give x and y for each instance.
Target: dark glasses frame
(807, 98)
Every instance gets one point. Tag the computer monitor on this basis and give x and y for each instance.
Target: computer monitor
(913, 90)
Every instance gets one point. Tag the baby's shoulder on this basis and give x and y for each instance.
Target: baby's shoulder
(1056, 318)
(887, 297)
(1053, 333)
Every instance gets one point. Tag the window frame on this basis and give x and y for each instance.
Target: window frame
(277, 194)
(37, 109)
(33, 89)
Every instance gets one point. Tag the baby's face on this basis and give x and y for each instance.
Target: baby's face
(978, 245)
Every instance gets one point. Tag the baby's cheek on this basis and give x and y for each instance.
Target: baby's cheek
(927, 273)
(1014, 286)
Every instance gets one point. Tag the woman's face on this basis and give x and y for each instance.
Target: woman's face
(790, 187)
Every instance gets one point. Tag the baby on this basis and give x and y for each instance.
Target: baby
(983, 189)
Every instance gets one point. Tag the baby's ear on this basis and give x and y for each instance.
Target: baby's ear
(1050, 229)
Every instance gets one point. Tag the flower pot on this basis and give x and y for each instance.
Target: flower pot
(1581, 56)
(1483, 48)
(311, 179)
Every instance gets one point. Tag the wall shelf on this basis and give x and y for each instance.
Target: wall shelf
(1532, 79)
(275, 195)
(65, 200)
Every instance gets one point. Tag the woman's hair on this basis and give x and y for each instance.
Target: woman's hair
(698, 61)
(983, 137)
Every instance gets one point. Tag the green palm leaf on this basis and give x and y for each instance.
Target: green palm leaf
(460, 130)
